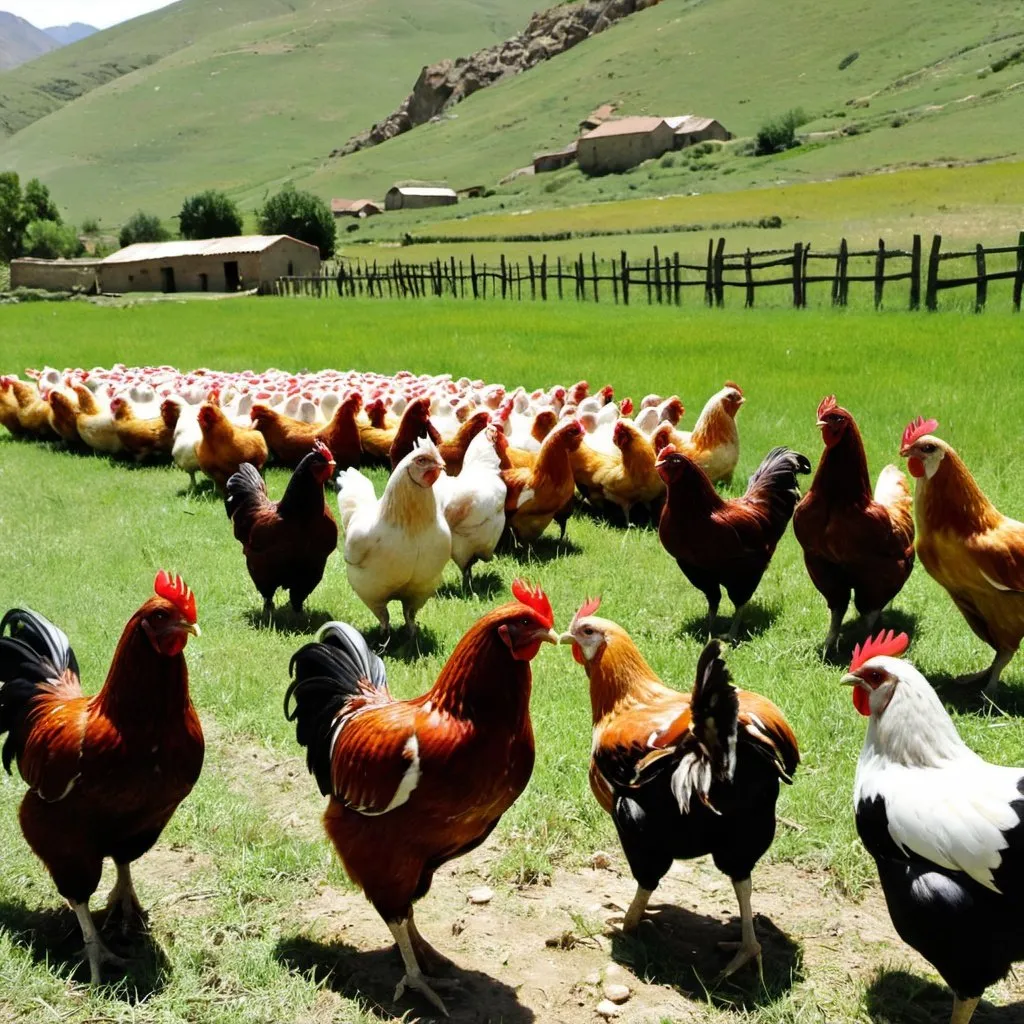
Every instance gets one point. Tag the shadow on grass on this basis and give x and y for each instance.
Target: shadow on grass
(855, 632)
(757, 619)
(958, 693)
(898, 997)
(399, 645)
(485, 585)
(204, 490)
(52, 938)
(543, 549)
(285, 620)
(372, 975)
(679, 948)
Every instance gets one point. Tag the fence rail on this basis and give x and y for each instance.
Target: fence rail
(663, 279)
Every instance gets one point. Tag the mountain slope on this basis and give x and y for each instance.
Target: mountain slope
(21, 41)
(65, 35)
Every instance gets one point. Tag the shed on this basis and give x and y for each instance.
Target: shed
(208, 265)
(472, 192)
(596, 117)
(55, 275)
(355, 208)
(416, 197)
(689, 129)
(622, 143)
(555, 160)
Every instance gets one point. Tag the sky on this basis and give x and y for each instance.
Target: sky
(100, 13)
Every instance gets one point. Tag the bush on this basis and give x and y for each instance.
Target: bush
(300, 214)
(49, 240)
(668, 160)
(38, 203)
(779, 134)
(90, 226)
(848, 60)
(209, 214)
(143, 227)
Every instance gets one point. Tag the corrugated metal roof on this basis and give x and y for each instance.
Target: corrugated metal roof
(143, 251)
(689, 123)
(351, 205)
(626, 126)
(417, 190)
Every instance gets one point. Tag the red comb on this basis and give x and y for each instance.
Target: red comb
(589, 606)
(535, 598)
(885, 643)
(916, 429)
(626, 407)
(177, 592)
(733, 384)
(668, 449)
(826, 406)
(320, 448)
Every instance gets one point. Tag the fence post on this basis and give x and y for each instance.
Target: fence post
(544, 278)
(657, 275)
(931, 296)
(559, 276)
(798, 258)
(593, 265)
(472, 275)
(915, 273)
(341, 278)
(709, 275)
(981, 288)
(879, 273)
(748, 277)
(504, 285)
(533, 283)
(615, 282)
(677, 286)
(624, 264)
(839, 281)
(1018, 281)
(581, 288)
(720, 273)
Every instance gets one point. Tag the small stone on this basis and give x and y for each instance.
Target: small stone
(607, 1009)
(600, 860)
(480, 895)
(593, 978)
(613, 972)
(616, 993)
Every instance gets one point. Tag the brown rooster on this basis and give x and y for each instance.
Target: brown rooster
(853, 539)
(105, 773)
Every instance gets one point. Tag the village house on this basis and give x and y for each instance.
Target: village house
(689, 129)
(555, 160)
(617, 145)
(355, 208)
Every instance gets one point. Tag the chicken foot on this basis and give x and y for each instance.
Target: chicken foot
(428, 957)
(737, 621)
(989, 678)
(414, 978)
(467, 575)
(834, 627)
(123, 902)
(634, 914)
(963, 1010)
(96, 951)
(748, 948)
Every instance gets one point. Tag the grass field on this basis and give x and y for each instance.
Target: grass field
(243, 861)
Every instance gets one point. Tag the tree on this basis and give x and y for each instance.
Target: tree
(12, 216)
(210, 214)
(300, 214)
(143, 227)
(49, 240)
(38, 204)
(779, 134)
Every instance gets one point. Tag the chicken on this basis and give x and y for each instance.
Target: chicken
(291, 440)
(714, 442)
(682, 775)
(183, 420)
(9, 407)
(474, 504)
(141, 438)
(537, 494)
(413, 784)
(64, 417)
(454, 451)
(967, 546)
(341, 432)
(415, 423)
(105, 773)
(396, 548)
(224, 447)
(287, 542)
(377, 434)
(854, 540)
(31, 411)
(944, 826)
(95, 423)
(727, 543)
(625, 479)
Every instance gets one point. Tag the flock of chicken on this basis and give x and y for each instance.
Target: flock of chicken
(413, 784)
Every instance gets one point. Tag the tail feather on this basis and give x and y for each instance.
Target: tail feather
(775, 482)
(327, 675)
(892, 489)
(247, 493)
(33, 657)
(355, 491)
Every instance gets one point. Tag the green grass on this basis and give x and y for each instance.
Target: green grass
(81, 537)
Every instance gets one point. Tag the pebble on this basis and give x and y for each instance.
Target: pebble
(613, 971)
(480, 895)
(593, 978)
(616, 993)
(606, 1008)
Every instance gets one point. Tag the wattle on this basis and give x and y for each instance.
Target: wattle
(862, 701)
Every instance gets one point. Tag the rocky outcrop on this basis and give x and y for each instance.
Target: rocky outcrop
(448, 82)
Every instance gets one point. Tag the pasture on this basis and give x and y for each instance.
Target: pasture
(252, 918)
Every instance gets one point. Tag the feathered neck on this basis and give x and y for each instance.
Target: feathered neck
(638, 456)
(303, 491)
(405, 502)
(619, 674)
(843, 469)
(952, 499)
(692, 492)
(553, 455)
(714, 426)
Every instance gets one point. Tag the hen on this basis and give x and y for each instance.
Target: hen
(727, 543)
(714, 442)
(415, 423)
(967, 545)
(415, 783)
(682, 775)
(854, 540)
(287, 542)
(946, 829)
(141, 438)
(224, 447)
(454, 451)
(105, 773)
(396, 548)
(95, 423)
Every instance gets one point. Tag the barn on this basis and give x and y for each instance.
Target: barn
(416, 197)
(355, 208)
(689, 129)
(622, 143)
(208, 265)
(555, 160)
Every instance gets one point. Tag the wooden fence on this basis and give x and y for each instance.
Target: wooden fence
(664, 279)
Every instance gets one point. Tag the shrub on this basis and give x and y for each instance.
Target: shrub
(12, 216)
(848, 60)
(90, 226)
(668, 160)
(779, 134)
(209, 214)
(49, 240)
(143, 227)
(300, 214)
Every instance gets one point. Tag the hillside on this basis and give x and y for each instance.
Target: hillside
(65, 35)
(21, 41)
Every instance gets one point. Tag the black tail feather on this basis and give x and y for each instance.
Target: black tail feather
(246, 493)
(775, 481)
(715, 707)
(327, 674)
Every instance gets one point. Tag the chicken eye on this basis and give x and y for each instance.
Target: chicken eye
(588, 630)
(927, 449)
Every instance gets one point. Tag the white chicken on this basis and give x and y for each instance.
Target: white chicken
(396, 548)
(187, 436)
(474, 504)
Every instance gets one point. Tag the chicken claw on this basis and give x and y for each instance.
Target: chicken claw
(422, 984)
(123, 903)
(95, 950)
(744, 954)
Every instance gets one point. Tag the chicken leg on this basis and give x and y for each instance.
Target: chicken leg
(414, 978)
(737, 621)
(835, 625)
(748, 948)
(428, 957)
(989, 678)
(963, 1010)
(95, 950)
(634, 915)
(123, 901)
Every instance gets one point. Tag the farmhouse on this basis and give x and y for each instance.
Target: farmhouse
(555, 160)
(208, 265)
(355, 208)
(55, 275)
(623, 143)
(689, 129)
(596, 117)
(416, 197)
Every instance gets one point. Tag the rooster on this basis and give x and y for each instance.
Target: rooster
(967, 546)
(396, 548)
(105, 773)
(727, 543)
(682, 775)
(946, 829)
(413, 784)
(287, 542)
(854, 540)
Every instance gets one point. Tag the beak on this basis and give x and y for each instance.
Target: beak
(820, 424)
(566, 638)
(191, 627)
(547, 636)
(850, 680)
